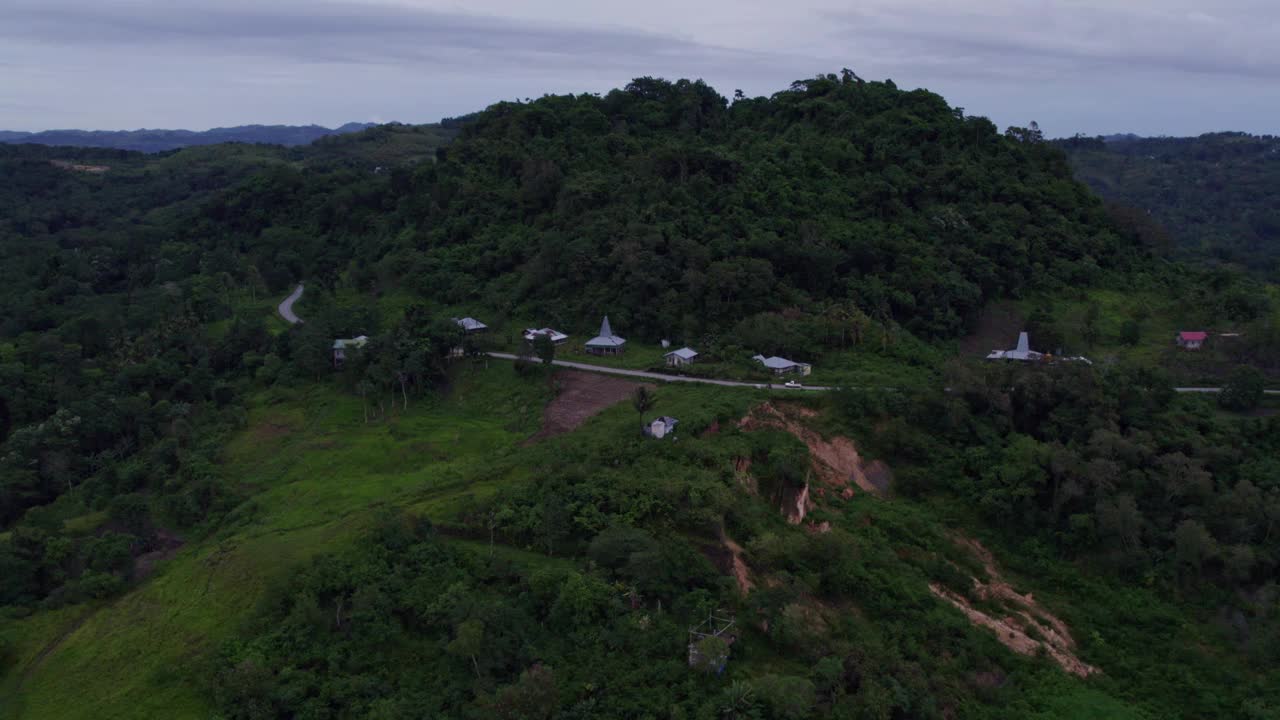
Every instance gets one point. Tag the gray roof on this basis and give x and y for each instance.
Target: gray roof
(776, 363)
(531, 333)
(606, 338)
(1022, 352)
(470, 324)
(683, 353)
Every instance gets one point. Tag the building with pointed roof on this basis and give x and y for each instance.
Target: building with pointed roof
(1023, 352)
(606, 343)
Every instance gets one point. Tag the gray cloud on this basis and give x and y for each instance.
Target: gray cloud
(1009, 38)
(344, 31)
(1172, 66)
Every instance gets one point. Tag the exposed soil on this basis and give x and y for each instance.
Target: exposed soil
(737, 566)
(997, 329)
(1023, 616)
(167, 545)
(582, 394)
(835, 460)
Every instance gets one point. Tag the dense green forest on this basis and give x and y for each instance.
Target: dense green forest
(1213, 194)
(400, 543)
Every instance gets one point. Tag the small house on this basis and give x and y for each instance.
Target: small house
(606, 343)
(1023, 352)
(557, 337)
(341, 345)
(470, 325)
(1189, 340)
(782, 366)
(661, 427)
(682, 357)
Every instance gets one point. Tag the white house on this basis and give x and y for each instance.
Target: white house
(1023, 352)
(341, 344)
(680, 358)
(557, 337)
(470, 325)
(661, 427)
(606, 343)
(783, 366)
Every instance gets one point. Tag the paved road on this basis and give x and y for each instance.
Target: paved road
(286, 307)
(1214, 390)
(730, 383)
(658, 376)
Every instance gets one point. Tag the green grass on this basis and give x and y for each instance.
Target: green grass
(316, 475)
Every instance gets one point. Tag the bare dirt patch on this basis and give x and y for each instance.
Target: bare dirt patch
(1025, 627)
(997, 329)
(835, 460)
(167, 545)
(582, 394)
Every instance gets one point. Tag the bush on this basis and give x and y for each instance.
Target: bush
(1243, 390)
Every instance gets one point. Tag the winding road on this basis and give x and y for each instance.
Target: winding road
(286, 307)
(286, 312)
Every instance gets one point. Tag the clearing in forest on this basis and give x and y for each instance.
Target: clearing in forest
(836, 461)
(581, 395)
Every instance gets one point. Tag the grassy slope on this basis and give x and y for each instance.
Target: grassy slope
(317, 474)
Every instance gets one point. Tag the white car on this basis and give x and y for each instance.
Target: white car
(792, 384)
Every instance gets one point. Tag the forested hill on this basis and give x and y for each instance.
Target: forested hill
(159, 140)
(679, 213)
(150, 398)
(1215, 194)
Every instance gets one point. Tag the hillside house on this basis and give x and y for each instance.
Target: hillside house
(782, 366)
(661, 427)
(1191, 340)
(1022, 353)
(557, 337)
(682, 357)
(606, 343)
(341, 345)
(470, 325)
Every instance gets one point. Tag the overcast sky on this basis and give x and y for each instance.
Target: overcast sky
(1095, 66)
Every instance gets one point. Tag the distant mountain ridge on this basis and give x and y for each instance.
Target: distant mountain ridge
(151, 141)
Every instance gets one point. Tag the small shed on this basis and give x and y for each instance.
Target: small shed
(1191, 340)
(661, 427)
(470, 325)
(606, 343)
(680, 358)
(341, 345)
(782, 366)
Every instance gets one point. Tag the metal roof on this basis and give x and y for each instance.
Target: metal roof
(683, 353)
(776, 363)
(532, 333)
(358, 341)
(470, 324)
(606, 338)
(1022, 352)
